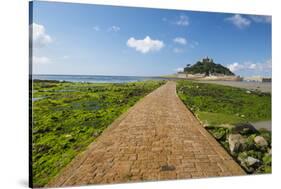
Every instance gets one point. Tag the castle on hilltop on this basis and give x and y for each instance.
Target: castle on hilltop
(207, 60)
(207, 69)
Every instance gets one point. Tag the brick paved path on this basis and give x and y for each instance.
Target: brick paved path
(157, 139)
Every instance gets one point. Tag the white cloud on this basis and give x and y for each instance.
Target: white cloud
(261, 19)
(40, 60)
(96, 28)
(253, 66)
(114, 29)
(235, 67)
(249, 66)
(182, 21)
(145, 45)
(180, 40)
(39, 36)
(178, 50)
(239, 21)
(258, 66)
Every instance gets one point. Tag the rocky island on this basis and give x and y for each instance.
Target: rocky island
(207, 69)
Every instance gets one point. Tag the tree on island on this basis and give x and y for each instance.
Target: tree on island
(207, 67)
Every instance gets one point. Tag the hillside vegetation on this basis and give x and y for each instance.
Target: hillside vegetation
(207, 67)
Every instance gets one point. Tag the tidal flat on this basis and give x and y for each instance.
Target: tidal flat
(259, 86)
(68, 116)
(216, 104)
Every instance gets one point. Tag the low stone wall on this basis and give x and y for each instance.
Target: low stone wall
(208, 78)
(222, 78)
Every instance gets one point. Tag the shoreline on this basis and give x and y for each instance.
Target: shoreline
(260, 86)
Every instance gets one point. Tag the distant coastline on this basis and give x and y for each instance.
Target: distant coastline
(94, 78)
(250, 85)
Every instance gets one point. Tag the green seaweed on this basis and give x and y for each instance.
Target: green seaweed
(217, 104)
(67, 117)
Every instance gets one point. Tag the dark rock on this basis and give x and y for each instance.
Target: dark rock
(244, 129)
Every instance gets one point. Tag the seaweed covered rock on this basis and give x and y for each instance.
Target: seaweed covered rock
(218, 132)
(245, 129)
(250, 143)
(260, 141)
(236, 143)
(250, 164)
(250, 147)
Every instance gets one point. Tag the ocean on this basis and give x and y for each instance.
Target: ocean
(94, 78)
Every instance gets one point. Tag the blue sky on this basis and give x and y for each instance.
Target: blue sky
(71, 38)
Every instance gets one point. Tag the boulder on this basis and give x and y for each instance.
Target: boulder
(252, 162)
(236, 142)
(245, 129)
(260, 141)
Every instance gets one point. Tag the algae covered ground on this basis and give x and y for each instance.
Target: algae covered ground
(226, 113)
(218, 105)
(67, 117)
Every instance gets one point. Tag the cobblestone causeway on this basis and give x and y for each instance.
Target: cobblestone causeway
(157, 139)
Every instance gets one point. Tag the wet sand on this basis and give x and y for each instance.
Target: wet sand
(263, 125)
(263, 87)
